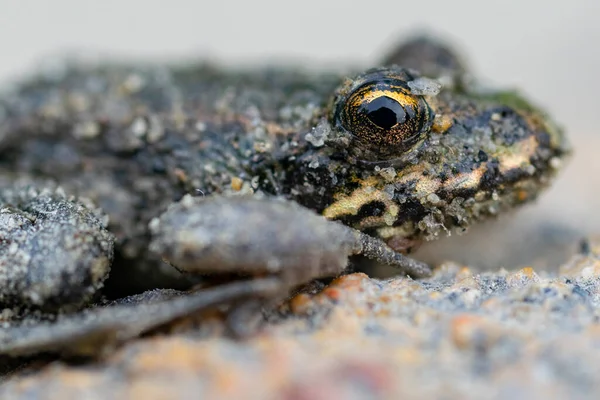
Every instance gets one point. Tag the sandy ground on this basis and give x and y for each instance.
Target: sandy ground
(457, 335)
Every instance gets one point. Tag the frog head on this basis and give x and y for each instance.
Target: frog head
(405, 158)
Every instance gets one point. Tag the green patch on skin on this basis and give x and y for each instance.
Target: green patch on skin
(512, 99)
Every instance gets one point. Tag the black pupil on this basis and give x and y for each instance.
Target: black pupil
(384, 112)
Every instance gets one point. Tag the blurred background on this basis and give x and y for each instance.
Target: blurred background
(549, 49)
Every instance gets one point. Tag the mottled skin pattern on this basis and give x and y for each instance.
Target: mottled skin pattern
(484, 154)
(133, 140)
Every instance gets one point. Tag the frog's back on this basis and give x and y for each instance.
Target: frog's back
(134, 139)
(118, 110)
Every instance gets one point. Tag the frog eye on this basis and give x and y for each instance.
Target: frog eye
(382, 114)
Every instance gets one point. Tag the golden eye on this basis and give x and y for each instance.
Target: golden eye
(379, 111)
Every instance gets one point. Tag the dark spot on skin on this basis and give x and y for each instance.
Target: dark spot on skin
(374, 208)
(463, 167)
(413, 210)
(448, 196)
(512, 175)
(482, 156)
(158, 166)
(543, 139)
(308, 180)
(491, 176)
(512, 126)
(585, 247)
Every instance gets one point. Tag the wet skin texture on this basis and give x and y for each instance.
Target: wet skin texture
(387, 151)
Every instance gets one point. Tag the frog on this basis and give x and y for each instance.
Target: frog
(201, 186)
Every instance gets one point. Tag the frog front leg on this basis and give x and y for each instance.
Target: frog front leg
(251, 236)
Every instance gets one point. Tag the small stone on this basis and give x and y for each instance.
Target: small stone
(424, 87)
(466, 283)
(200, 126)
(139, 127)
(318, 135)
(556, 163)
(469, 331)
(389, 173)
(496, 117)
(522, 277)
(236, 184)
(156, 130)
(433, 198)
(442, 123)
(133, 83)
